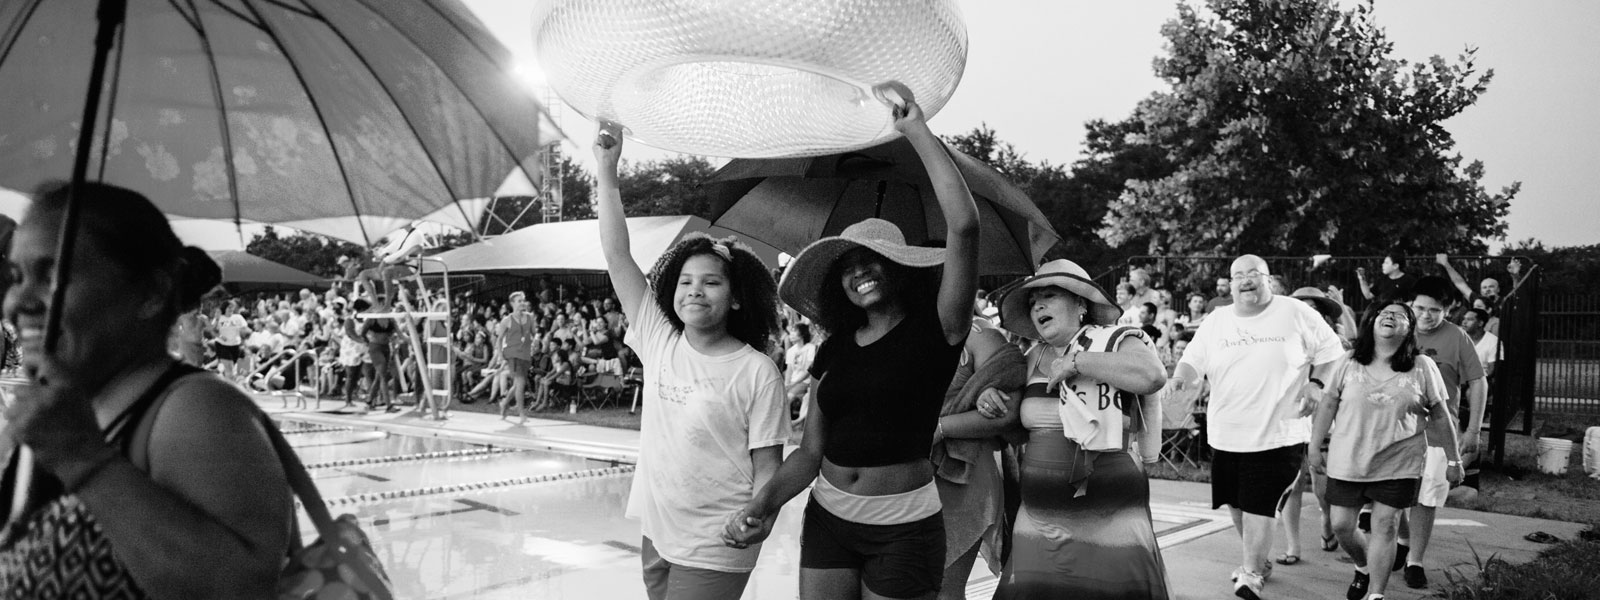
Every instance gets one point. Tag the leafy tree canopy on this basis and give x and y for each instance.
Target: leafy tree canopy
(670, 186)
(308, 252)
(1567, 270)
(1289, 129)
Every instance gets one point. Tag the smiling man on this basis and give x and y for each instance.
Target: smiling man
(1463, 374)
(1266, 359)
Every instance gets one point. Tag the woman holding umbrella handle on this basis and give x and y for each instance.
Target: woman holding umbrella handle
(158, 478)
(897, 317)
(715, 419)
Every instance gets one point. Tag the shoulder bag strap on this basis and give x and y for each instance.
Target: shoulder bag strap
(306, 490)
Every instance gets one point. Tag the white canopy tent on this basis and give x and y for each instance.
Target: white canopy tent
(574, 247)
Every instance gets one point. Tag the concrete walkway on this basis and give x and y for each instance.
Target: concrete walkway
(1198, 543)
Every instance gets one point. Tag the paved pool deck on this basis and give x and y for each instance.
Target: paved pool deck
(1199, 545)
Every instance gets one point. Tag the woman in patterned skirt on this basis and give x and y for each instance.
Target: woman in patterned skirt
(1084, 528)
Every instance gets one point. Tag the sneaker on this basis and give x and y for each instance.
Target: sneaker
(1247, 585)
(1266, 572)
(1416, 577)
(1400, 552)
(1358, 586)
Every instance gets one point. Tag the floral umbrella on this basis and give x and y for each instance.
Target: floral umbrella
(349, 118)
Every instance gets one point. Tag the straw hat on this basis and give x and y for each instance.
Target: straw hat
(1015, 314)
(1320, 301)
(802, 284)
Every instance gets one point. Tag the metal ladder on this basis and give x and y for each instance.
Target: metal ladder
(431, 344)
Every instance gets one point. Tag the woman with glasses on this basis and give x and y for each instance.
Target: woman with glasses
(1386, 399)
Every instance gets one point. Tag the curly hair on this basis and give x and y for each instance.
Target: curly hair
(1405, 357)
(916, 288)
(756, 319)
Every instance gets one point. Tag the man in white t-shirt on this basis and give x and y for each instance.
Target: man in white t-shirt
(1475, 322)
(1265, 359)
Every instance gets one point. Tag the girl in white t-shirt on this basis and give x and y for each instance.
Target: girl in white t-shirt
(714, 417)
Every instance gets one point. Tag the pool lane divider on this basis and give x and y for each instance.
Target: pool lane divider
(375, 497)
(316, 429)
(376, 460)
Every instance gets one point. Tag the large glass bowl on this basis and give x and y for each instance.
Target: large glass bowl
(749, 78)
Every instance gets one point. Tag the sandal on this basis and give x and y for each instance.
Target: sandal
(1540, 537)
(1330, 543)
(1289, 559)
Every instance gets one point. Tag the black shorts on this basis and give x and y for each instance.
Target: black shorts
(1253, 481)
(897, 561)
(1397, 493)
(226, 352)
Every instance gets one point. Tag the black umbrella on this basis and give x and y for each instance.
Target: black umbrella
(791, 202)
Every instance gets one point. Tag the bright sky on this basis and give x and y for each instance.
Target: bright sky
(1038, 69)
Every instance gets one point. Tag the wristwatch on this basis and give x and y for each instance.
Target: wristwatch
(1318, 383)
(1452, 463)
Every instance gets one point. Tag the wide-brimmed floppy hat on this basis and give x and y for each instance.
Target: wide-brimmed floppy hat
(1016, 313)
(1320, 301)
(802, 285)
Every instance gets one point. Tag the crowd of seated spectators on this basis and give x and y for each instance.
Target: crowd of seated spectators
(309, 341)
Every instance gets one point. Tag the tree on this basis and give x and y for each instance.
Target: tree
(1075, 201)
(671, 186)
(308, 252)
(1291, 130)
(1566, 270)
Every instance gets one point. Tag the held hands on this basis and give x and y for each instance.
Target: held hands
(1442, 259)
(1361, 273)
(741, 530)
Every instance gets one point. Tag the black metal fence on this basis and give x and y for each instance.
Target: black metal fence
(1569, 355)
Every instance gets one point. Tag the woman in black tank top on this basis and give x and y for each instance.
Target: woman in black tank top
(897, 316)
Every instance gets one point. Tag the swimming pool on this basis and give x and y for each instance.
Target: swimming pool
(457, 520)
(452, 519)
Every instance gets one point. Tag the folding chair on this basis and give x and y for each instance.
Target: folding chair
(1179, 434)
(598, 389)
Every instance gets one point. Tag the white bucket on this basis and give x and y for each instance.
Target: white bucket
(1554, 454)
(1591, 452)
